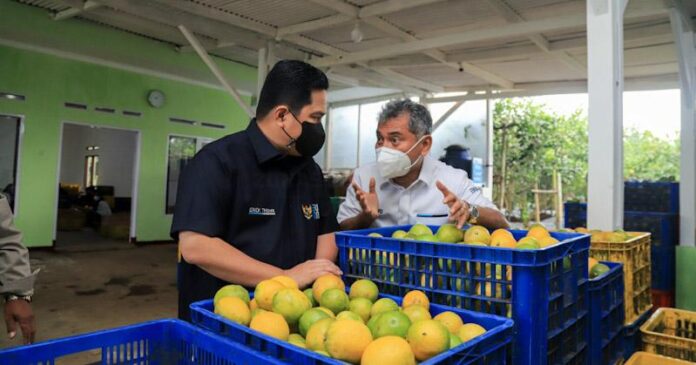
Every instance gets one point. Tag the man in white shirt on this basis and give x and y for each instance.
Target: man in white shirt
(406, 185)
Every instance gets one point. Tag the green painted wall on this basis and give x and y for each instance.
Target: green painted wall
(686, 295)
(48, 81)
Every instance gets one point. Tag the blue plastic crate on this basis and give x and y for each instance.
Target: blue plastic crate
(489, 348)
(164, 342)
(649, 196)
(632, 341)
(663, 270)
(547, 301)
(606, 300)
(663, 227)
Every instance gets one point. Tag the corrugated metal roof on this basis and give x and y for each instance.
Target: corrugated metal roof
(432, 20)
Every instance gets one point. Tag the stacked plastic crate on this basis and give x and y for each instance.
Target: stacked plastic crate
(649, 207)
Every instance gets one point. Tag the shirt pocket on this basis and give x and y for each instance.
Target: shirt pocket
(434, 217)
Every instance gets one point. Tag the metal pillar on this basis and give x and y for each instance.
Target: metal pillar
(605, 91)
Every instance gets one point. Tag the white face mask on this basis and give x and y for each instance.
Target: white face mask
(394, 163)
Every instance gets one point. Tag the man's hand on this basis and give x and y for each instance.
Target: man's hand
(305, 273)
(368, 200)
(19, 312)
(459, 209)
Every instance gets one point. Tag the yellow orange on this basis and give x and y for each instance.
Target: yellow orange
(324, 283)
(428, 338)
(233, 309)
(451, 320)
(264, 293)
(271, 324)
(388, 350)
(287, 281)
(415, 297)
(346, 340)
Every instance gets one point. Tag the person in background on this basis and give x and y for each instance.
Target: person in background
(406, 185)
(16, 278)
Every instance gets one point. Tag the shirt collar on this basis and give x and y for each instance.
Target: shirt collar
(427, 174)
(263, 148)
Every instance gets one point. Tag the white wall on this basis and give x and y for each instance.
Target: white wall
(8, 135)
(116, 156)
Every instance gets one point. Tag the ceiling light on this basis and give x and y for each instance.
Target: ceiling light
(356, 35)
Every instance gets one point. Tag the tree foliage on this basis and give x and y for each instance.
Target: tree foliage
(536, 143)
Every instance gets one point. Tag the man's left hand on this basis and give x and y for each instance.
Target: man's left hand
(19, 312)
(459, 209)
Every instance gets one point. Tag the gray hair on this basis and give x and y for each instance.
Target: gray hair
(420, 122)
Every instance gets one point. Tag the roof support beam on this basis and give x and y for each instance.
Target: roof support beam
(472, 36)
(512, 16)
(447, 114)
(216, 70)
(348, 12)
(74, 11)
(218, 45)
(440, 56)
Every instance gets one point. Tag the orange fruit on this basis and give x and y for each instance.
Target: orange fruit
(537, 231)
(297, 340)
(477, 234)
(417, 313)
(547, 241)
(502, 238)
(264, 293)
(415, 297)
(287, 281)
(334, 299)
(361, 307)
(591, 262)
(346, 340)
(383, 305)
(325, 282)
(451, 320)
(350, 316)
(232, 291)
(389, 350)
(291, 304)
(469, 331)
(233, 309)
(392, 323)
(428, 338)
(327, 311)
(271, 324)
(316, 336)
(364, 288)
(309, 318)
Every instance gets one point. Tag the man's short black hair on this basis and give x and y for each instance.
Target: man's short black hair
(290, 83)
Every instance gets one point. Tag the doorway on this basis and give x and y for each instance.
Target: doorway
(10, 132)
(97, 187)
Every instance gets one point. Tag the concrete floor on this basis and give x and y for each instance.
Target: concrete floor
(99, 285)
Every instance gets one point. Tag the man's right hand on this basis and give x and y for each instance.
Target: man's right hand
(18, 313)
(368, 200)
(307, 272)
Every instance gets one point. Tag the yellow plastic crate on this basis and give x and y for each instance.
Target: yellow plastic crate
(671, 332)
(634, 254)
(646, 358)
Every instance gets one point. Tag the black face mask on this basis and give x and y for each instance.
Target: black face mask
(310, 141)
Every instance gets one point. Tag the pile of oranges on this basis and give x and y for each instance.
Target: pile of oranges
(357, 327)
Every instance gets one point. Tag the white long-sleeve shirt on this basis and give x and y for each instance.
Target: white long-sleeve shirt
(400, 206)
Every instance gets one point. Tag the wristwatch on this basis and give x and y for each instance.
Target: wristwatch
(473, 214)
(11, 297)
